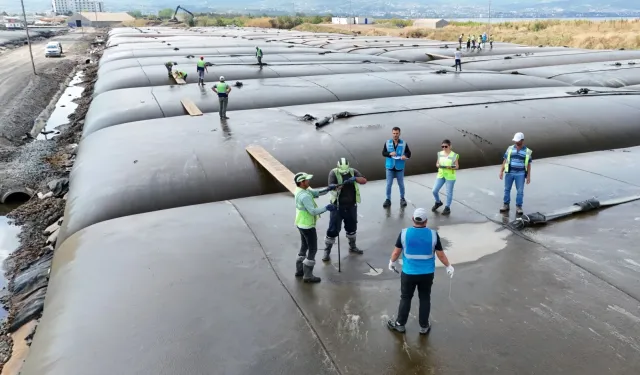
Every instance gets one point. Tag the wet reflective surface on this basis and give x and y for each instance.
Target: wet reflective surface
(558, 289)
(64, 107)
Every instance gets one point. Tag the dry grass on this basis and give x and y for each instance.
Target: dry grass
(612, 34)
(258, 22)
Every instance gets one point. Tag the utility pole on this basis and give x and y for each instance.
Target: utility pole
(350, 16)
(26, 27)
(489, 17)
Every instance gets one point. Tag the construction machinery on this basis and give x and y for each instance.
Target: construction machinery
(174, 19)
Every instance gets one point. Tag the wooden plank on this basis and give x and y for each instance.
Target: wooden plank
(178, 80)
(191, 108)
(273, 166)
(439, 57)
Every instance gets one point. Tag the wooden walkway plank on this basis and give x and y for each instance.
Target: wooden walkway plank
(179, 81)
(191, 108)
(273, 166)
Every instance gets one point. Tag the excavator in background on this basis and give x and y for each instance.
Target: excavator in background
(174, 19)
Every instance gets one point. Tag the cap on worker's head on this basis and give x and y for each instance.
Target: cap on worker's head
(302, 176)
(420, 215)
(518, 137)
(222, 78)
(343, 165)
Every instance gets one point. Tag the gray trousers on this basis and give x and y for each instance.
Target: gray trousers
(223, 106)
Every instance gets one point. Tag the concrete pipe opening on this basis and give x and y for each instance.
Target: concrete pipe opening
(15, 196)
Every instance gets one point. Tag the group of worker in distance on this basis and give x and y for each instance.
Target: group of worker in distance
(474, 42)
(418, 245)
(221, 88)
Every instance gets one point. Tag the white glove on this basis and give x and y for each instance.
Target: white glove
(393, 265)
(450, 271)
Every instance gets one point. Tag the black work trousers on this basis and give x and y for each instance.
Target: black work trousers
(408, 284)
(309, 243)
(348, 214)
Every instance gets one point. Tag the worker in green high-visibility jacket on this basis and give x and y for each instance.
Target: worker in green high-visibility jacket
(222, 89)
(259, 55)
(202, 68)
(307, 213)
(169, 66)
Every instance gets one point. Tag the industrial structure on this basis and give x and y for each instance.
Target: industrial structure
(76, 6)
(430, 23)
(100, 19)
(177, 249)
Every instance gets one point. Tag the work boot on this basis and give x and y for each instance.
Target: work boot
(403, 203)
(308, 275)
(386, 204)
(352, 245)
(505, 208)
(299, 271)
(518, 210)
(394, 326)
(328, 244)
(425, 330)
(436, 206)
(446, 211)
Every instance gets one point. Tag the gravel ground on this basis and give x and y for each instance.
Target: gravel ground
(35, 164)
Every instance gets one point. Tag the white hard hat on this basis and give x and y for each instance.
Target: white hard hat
(222, 78)
(518, 137)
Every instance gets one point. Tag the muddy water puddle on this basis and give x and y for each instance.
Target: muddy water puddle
(64, 107)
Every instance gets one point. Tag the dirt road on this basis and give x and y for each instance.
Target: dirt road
(22, 95)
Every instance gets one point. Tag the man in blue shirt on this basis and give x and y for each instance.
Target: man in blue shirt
(517, 166)
(396, 152)
(418, 246)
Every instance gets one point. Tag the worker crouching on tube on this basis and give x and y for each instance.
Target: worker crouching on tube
(419, 246)
(447, 164)
(346, 197)
(169, 66)
(307, 213)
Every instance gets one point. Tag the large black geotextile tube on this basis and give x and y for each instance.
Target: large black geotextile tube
(325, 56)
(543, 60)
(157, 75)
(428, 54)
(171, 162)
(192, 286)
(223, 51)
(117, 107)
(608, 74)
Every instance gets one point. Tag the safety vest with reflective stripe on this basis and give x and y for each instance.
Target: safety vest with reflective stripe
(333, 196)
(418, 250)
(526, 158)
(391, 162)
(259, 52)
(304, 219)
(447, 161)
(201, 64)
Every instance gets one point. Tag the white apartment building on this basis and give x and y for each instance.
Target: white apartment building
(74, 6)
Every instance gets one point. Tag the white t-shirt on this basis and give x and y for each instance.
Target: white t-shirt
(458, 55)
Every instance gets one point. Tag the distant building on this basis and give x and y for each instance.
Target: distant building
(12, 23)
(99, 19)
(430, 23)
(351, 20)
(64, 6)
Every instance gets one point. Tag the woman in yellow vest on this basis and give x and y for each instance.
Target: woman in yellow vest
(447, 163)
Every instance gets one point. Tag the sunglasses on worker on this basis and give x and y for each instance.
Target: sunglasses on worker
(445, 146)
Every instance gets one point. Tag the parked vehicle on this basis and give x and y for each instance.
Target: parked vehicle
(53, 49)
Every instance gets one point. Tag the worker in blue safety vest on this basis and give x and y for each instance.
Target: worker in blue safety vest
(419, 246)
(202, 68)
(517, 166)
(222, 89)
(396, 151)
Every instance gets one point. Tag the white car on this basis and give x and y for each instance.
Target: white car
(53, 49)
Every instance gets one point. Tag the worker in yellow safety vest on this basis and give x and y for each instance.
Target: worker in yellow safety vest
(347, 198)
(259, 55)
(517, 167)
(222, 89)
(447, 164)
(202, 68)
(307, 213)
